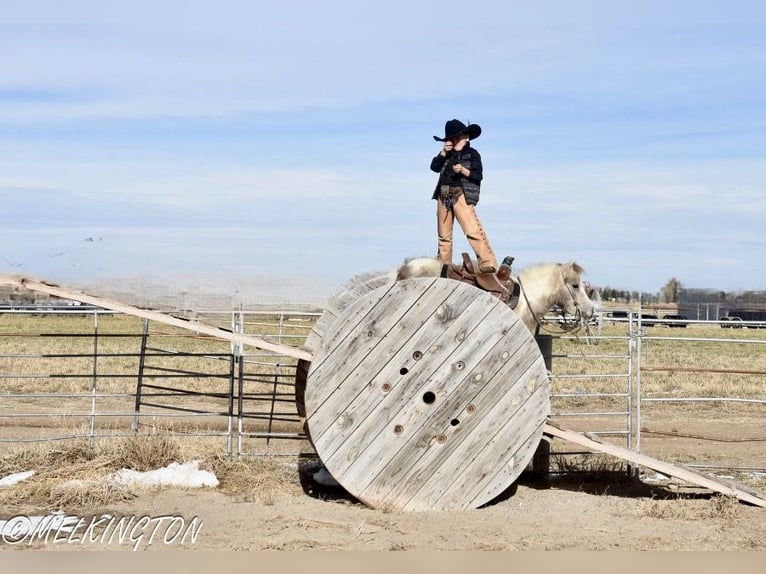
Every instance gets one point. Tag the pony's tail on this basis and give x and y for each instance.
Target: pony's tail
(357, 287)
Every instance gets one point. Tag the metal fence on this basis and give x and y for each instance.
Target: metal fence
(86, 373)
(82, 372)
(641, 379)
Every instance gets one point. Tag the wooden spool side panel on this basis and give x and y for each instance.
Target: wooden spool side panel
(488, 390)
(370, 409)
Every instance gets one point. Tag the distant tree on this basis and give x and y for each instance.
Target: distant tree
(611, 294)
(669, 293)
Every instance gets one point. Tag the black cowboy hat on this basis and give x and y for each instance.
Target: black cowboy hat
(454, 128)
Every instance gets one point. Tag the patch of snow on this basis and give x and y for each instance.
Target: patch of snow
(185, 474)
(12, 479)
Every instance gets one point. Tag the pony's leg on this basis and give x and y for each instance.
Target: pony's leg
(474, 232)
(444, 224)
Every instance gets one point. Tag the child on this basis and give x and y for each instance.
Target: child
(457, 192)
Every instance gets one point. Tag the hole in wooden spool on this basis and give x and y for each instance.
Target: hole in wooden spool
(429, 397)
(459, 366)
(398, 429)
(404, 371)
(417, 355)
(454, 422)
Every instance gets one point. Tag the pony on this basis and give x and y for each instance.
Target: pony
(543, 287)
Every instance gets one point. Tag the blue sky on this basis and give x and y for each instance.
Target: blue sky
(231, 143)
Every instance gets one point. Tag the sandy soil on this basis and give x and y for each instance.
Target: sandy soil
(597, 511)
(555, 519)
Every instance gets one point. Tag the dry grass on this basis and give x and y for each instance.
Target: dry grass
(74, 475)
(721, 508)
(147, 452)
(87, 494)
(257, 479)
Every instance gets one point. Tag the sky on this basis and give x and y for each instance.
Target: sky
(231, 144)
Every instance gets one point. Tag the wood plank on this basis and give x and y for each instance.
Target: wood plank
(667, 468)
(359, 338)
(50, 289)
(313, 341)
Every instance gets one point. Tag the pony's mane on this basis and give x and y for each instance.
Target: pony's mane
(542, 269)
(537, 270)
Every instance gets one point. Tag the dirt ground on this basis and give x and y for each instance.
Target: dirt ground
(597, 510)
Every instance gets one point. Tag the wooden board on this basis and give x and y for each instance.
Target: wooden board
(669, 469)
(64, 293)
(335, 307)
(427, 394)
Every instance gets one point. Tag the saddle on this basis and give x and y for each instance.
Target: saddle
(507, 291)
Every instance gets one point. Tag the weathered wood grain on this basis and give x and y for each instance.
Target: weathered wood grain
(428, 395)
(390, 376)
(360, 333)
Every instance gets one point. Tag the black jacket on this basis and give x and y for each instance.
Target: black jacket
(471, 160)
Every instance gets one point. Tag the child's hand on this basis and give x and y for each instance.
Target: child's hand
(457, 167)
(448, 145)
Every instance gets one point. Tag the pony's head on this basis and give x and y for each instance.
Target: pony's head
(573, 296)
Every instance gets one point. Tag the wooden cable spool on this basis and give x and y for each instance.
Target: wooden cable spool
(426, 394)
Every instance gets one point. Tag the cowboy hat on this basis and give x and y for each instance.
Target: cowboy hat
(454, 128)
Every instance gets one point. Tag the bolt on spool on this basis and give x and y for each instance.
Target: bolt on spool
(385, 387)
(398, 429)
(441, 439)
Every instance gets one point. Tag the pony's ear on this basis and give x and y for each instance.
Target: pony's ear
(572, 270)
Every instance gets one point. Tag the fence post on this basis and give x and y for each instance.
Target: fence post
(139, 384)
(95, 379)
(541, 460)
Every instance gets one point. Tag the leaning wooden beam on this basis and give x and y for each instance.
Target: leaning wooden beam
(51, 289)
(666, 468)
